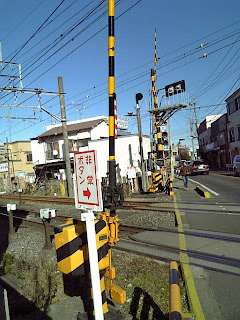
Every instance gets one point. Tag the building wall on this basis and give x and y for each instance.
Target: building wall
(100, 131)
(38, 152)
(126, 152)
(233, 126)
(234, 123)
(20, 165)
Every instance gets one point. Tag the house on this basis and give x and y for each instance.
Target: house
(233, 125)
(219, 153)
(204, 138)
(83, 135)
(16, 167)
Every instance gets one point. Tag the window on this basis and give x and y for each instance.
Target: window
(231, 136)
(237, 133)
(70, 145)
(29, 157)
(52, 150)
(237, 104)
(231, 107)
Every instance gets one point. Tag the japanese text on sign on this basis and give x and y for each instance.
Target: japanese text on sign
(88, 191)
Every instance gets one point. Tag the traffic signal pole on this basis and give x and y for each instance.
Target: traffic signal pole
(139, 96)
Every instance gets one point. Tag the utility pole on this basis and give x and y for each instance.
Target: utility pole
(192, 138)
(9, 178)
(196, 116)
(139, 96)
(65, 138)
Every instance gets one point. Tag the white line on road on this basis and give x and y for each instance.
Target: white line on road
(210, 190)
(227, 213)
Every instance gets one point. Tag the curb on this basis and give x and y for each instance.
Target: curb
(202, 193)
(195, 305)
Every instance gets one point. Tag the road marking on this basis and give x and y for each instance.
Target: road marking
(184, 260)
(202, 185)
(224, 213)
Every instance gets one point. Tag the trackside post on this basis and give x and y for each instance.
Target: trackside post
(175, 303)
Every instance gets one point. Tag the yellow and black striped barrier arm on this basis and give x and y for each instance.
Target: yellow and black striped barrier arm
(175, 302)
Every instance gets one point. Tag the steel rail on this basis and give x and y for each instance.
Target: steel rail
(127, 205)
(157, 257)
(138, 229)
(233, 262)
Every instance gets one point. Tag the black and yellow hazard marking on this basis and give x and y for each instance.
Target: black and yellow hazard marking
(72, 250)
(111, 94)
(175, 302)
(103, 293)
(171, 193)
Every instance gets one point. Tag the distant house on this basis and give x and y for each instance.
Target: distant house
(233, 125)
(219, 153)
(16, 167)
(206, 145)
(87, 134)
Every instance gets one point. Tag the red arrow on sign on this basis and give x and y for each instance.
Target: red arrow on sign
(87, 193)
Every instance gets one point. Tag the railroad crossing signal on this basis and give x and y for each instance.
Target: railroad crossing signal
(165, 140)
(175, 88)
(88, 193)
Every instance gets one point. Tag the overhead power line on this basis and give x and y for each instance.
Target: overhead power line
(24, 19)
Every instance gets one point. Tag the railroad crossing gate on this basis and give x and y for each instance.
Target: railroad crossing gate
(87, 187)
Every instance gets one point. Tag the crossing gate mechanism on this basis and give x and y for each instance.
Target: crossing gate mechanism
(72, 253)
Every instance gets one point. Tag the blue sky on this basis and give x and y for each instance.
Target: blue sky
(180, 27)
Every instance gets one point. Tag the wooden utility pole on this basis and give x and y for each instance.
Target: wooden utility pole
(65, 138)
(192, 138)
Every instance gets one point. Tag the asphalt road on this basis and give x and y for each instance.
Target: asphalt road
(218, 292)
(228, 187)
(220, 213)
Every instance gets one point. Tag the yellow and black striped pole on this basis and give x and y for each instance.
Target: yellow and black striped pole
(111, 92)
(157, 146)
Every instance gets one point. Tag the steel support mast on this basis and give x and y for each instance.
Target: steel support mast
(157, 148)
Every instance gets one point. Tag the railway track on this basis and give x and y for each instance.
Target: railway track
(194, 254)
(127, 205)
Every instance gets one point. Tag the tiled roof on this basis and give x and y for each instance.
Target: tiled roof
(77, 127)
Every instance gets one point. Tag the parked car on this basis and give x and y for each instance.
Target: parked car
(236, 165)
(198, 167)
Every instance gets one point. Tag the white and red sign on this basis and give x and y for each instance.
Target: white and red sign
(131, 172)
(87, 187)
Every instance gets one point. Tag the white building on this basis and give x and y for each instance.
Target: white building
(87, 134)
